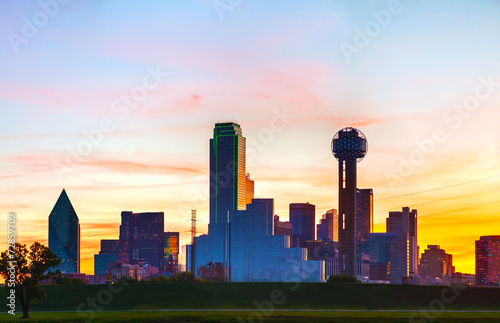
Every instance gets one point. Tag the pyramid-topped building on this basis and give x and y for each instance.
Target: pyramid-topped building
(64, 234)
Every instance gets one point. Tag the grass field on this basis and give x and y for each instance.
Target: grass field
(262, 298)
(277, 317)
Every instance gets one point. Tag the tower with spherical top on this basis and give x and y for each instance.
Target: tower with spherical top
(349, 146)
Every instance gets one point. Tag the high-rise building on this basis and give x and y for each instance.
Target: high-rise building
(388, 256)
(250, 188)
(364, 213)
(325, 228)
(282, 227)
(141, 241)
(171, 249)
(488, 261)
(303, 219)
(349, 146)
(228, 192)
(119, 248)
(435, 263)
(144, 232)
(326, 250)
(227, 171)
(405, 221)
(64, 234)
(258, 255)
(240, 243)
(101, 263)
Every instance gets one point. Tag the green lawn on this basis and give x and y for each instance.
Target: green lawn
(281, 317)
(263, 296)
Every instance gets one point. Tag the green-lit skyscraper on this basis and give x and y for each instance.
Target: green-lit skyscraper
(227, 171)
(64, 234)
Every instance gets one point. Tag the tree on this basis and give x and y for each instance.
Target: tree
(342, 279)
(184, 277)
(59, 279)
(212, 272)
(23, 269)
(127, 280)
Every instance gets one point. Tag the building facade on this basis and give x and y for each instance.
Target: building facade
(144, 233)
(119, 248)
(488, 261)
(303, 219)
(435, 263)
(388, 257)
(227, 171)
(171, 250)
(405, 221)
(364, 214)
(325, 228)
(101, 263)
(249, 189)
(142, 241)
(257, 255)
(240, 243)
(283, 228)
(64, 234)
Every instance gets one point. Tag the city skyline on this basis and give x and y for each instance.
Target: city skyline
(279, 71)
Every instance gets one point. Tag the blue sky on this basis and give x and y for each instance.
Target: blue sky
(261, 60)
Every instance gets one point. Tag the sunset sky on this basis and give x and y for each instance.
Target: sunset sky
(420, 79)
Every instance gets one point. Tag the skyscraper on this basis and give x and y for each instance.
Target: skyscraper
(228, 192)
(258, 255)
(364, 214)
(435, 263)
(240, 242)
(388, 256)
(64, 234)
(250, 188)
(303, 219)
(227, 171)
(144, 232)
(171, 248)
(349, 146)
(142, 240)
(101, 263)
(119, 248)
(406, 222)
(488, 260)
(282, 227)
(325, 228)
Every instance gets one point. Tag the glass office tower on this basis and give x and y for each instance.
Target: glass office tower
(145, 236)
(257, 255)
(303, 219)
(227, 171)
(388, 256)
(64, 234)
(240, 237)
